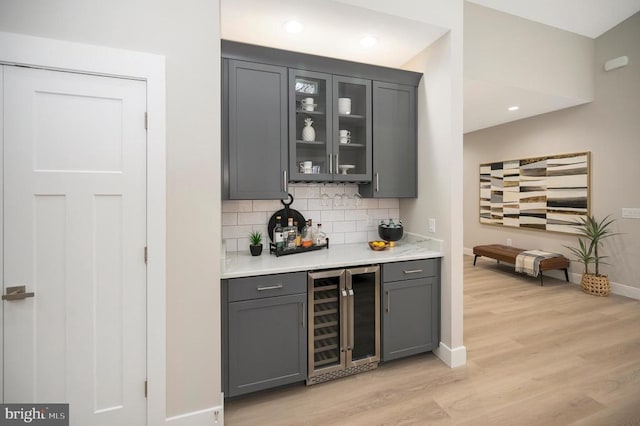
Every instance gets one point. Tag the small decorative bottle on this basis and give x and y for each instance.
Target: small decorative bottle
(298, 235)
(321, 237)
(308, 132)
(307, 238)
(289, 235)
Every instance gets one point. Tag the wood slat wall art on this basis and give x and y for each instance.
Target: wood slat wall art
(546, 193)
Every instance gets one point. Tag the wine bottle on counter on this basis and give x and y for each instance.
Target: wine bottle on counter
(289, 235)
(278, 237)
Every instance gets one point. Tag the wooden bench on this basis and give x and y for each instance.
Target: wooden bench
(508, 254)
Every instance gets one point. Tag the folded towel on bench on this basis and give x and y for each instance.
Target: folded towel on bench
(529, 261)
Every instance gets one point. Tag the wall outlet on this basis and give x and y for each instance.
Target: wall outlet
(509, 242)
(631, 213)
(432, 225)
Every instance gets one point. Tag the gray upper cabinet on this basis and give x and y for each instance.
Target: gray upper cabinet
(371, 142)
(394, 142)
(255, 97)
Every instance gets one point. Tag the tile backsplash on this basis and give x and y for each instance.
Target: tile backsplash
(345, 219)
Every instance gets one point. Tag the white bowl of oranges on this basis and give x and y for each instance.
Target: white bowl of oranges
(378, 245)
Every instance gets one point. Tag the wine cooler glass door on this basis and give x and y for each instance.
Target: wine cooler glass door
(327, 303)
(363, 334)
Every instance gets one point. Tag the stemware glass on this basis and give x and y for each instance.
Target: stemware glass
(357, 198)
(338, 201)
(324, 197)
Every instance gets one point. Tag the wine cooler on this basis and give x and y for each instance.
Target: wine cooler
(344, 322)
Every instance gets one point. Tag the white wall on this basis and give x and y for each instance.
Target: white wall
(516, 52)
(609, 127)
(187, 33)
(439, 182)
(509, 61)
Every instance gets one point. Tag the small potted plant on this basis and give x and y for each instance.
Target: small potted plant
(255, 243)
(587, 252)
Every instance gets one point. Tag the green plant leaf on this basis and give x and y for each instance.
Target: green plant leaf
(255, 238)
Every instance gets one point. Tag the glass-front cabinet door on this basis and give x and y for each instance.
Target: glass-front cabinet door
(352, 146)
(329, 128)
(310, 121)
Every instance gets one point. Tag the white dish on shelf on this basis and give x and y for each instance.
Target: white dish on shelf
(344, 168)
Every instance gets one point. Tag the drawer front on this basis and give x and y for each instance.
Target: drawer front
(410, 269)
(266, 286)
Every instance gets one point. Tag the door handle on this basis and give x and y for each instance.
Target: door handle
(285, 184)
(388, 301)
(17, 293)
(377, 182)
(330, 164)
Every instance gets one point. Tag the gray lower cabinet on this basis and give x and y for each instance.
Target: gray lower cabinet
(395, 153)
(264, 332)
(254, 133)
(410, 308)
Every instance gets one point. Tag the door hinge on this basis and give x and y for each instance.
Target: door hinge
(146, 121)
(146, 387)
(146, 254)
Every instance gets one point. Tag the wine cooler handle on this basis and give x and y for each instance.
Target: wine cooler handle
(388, 301)
(344, 319)
(351, 320)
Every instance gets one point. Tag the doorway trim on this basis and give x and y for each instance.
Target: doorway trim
(36, 52)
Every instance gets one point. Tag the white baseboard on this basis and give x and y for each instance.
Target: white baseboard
(207, 417)
(452, 357)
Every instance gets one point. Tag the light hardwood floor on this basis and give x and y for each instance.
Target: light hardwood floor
(536, 355)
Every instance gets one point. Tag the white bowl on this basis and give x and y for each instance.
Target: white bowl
(344, 168)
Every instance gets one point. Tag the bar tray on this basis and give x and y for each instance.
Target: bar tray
(279, 252)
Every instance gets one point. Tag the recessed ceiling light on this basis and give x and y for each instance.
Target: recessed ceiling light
(368, 41)
(293, 26)
(513, 108)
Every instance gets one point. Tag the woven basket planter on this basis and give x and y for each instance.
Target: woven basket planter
(597, 285)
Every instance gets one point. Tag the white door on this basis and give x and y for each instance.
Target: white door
(74, 227)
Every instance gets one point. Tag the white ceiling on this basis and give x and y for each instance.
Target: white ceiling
(590, 18)
(333, 29)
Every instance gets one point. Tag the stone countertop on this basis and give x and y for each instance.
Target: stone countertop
(412, 247)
